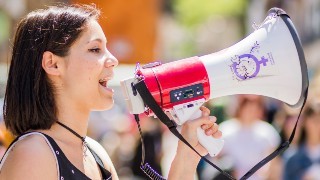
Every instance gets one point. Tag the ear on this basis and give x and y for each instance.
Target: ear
(50, 63)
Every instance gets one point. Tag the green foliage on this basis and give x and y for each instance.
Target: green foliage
(4, 27)
(192, 12)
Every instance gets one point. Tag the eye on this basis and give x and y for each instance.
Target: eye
(95, 50)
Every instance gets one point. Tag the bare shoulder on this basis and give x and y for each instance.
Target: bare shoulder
(30, 158)
(102, 153)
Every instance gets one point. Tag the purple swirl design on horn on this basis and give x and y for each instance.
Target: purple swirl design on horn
(247, 66)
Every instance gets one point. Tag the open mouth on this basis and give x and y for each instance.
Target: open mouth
(103, 82)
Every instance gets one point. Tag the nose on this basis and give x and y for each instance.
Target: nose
(111, 61)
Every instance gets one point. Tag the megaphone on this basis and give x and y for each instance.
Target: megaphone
(269, 62)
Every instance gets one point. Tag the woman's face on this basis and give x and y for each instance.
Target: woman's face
(251, 108)
(312, 125)
(87, 70)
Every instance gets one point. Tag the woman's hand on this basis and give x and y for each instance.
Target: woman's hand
(189, 130)
(186, 160)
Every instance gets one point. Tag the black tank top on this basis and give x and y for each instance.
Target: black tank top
(66, 170)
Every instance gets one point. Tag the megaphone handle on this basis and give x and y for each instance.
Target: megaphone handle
(213, 145)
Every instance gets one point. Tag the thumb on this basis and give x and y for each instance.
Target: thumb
(204, 118)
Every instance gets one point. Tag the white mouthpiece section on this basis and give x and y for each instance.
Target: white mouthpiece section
(133, 99)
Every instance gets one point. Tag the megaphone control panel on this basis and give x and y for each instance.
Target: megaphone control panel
(186, 93)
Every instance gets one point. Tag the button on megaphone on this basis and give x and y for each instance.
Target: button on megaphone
(269, 62)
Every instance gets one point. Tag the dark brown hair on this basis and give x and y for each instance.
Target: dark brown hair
(29, 98)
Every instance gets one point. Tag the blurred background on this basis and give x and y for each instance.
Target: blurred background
(166, 30)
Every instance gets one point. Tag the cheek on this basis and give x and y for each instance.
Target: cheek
(86, 70)
(83, 71)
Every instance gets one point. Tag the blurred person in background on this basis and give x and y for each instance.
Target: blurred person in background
(59, 73)
(5, 136)
(305, 163)
(2, 146)
(248, 138)
(284, 121)
(2, 130)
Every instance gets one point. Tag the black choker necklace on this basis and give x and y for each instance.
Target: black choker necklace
(83, 139)
(72, 131)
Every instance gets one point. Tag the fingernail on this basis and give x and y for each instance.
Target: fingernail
(212, 118)
(218, 134)
(209, 132)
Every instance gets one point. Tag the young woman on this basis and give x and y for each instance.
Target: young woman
(59, 72)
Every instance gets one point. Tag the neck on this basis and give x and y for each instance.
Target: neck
(77, 122)
(74, 117)
(247, 121)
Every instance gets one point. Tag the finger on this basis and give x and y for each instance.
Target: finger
(213, 129)
(205, 121)
(217, 134)
(205, 110)
(206, 126)
(212, 120)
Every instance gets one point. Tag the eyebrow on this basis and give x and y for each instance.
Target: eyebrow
(96, 39)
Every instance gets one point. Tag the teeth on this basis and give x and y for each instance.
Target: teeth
(103, 82)
(105, 79)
